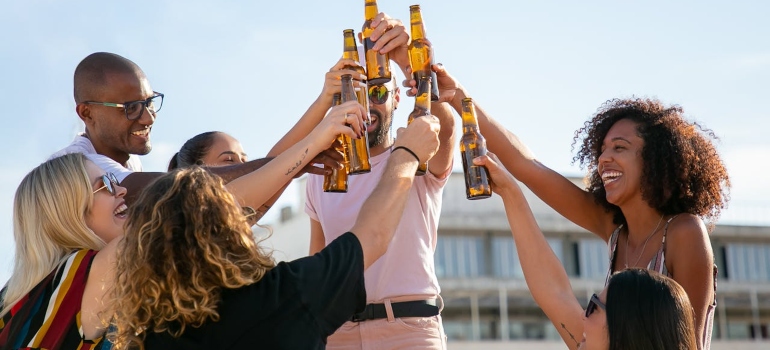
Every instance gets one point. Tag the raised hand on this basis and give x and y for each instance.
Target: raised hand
(421, 137)
(499, 178)
(390, 36)
(447, 84)
(332, 80)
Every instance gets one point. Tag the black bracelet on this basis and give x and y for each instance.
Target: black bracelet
(408, 150)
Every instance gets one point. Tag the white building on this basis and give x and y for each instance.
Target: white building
(488, 305)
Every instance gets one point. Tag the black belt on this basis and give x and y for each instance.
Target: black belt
(417, 308)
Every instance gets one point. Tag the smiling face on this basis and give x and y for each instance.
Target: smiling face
(596, 335)
(620, 162)
(111, 133)
(108, 212)
(225, 150)
(382, 118)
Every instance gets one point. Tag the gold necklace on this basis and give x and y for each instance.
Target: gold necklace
(643, 246)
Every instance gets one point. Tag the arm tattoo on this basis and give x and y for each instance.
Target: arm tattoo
(577, 343)
(299, 162)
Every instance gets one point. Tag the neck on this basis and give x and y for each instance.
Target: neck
(120, 157)
(640, 223)
(381, 148)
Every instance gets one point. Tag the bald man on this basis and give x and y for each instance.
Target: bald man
(115, 101)
(118, 106)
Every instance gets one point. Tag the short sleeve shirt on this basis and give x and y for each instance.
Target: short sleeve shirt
(296, 305)
(81, 144)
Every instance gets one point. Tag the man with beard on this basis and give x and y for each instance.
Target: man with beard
(403, 302)
(115, 101)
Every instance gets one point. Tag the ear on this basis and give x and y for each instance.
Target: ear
(396, 96)
(84, 112)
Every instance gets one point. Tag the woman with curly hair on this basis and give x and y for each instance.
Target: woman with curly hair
(653, 179)
(191, 276)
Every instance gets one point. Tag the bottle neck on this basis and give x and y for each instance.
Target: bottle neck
(422, 99)
(349, 49)
(418, 29)
(370, 9)
(348, 91)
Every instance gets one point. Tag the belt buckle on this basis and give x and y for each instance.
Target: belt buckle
(367, 314)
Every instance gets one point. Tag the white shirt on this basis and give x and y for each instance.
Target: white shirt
(81, 144)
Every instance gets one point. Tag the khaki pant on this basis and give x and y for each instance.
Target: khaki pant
(390, 333)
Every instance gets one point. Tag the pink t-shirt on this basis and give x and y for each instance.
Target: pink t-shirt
(407, 267)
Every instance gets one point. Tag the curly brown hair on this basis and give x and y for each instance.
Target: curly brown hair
(186, 239)
(682, 171)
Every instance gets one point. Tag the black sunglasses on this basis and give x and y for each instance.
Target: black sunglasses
(110, 181)
(378, 94)
(593, 303)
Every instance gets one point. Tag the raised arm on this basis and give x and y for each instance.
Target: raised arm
(381, 212)
(554, 189)
(255, 188)
(315, 113)
(546, 278)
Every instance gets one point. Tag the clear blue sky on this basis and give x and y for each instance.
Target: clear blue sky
(251, 68)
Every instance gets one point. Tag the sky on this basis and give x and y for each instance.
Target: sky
(251, 68)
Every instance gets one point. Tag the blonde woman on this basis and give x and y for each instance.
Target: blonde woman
(67, 215)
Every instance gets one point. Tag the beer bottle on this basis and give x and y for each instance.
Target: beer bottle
(421, 52)
(421, 108)
(377, 65)
(473, 145)
(357, 149)
(337, 180)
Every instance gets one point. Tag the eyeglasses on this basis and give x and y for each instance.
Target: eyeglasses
(378, 94)
(110, 181)
(593, 303)
(135, 109)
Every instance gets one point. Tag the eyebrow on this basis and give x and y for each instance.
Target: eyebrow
(231, 152)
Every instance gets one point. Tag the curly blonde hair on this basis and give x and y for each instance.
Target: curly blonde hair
(186, 239)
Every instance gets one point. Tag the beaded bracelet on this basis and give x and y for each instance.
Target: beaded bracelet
(408, 150)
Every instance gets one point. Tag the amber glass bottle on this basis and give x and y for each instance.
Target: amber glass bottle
(473, 145)
(421, 108)
(421, 52)
(377, 65)
(357, 149)
(337, 180)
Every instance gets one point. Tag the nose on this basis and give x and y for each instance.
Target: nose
(120, 191)
(604, 158)
(147, 117)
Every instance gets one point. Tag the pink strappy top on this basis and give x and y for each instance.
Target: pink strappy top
(658, 264)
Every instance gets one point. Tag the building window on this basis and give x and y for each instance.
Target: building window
(748, 262)
(460, 256)
(594, 259)
(505, 258)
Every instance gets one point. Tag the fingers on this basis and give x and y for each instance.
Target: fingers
(421, 136)
(395, 36)
(347, 118)
(330, 158)
(409, 84)
(500, 177)
(388, 33)
(312, 169)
